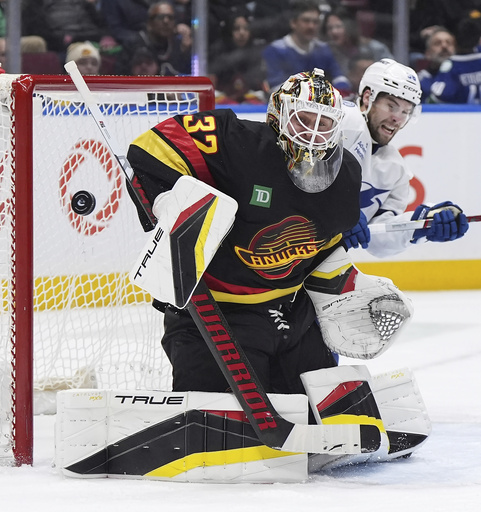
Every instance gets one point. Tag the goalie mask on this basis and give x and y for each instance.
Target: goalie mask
(306, 113)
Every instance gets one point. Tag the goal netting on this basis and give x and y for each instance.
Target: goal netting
(69, 315)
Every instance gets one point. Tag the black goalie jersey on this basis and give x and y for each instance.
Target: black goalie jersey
(281, 233)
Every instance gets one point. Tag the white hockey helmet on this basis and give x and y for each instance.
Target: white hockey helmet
(391, 77)
(307, 145)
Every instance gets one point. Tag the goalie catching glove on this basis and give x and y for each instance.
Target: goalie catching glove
(359, 315)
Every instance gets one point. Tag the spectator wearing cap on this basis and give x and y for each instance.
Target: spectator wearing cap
(87, 57)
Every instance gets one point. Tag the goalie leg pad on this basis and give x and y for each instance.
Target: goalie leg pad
(186, 437)
(399, 403)
(359, 315)
(343, 395)
(403, 411)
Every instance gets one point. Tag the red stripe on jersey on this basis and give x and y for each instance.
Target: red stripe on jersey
(185, 143)
(221, 286)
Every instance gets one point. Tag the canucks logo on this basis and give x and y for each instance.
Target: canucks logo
(276, 250)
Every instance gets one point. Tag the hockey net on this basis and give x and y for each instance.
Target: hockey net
(69, 316)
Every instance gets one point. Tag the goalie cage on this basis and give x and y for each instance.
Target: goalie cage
(69, 316)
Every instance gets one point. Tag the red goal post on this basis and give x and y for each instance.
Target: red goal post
(69, 316)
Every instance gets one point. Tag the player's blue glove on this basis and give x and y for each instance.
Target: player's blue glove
(449, 222)
(359, 235)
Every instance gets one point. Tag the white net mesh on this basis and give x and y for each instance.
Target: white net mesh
(91, 328)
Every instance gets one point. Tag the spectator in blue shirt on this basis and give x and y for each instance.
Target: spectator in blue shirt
(302, 49)
(440, 45)
(459, 78)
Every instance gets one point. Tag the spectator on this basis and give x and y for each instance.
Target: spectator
(171, 49)
(62, 22)
(302, 49)
(459, 77)
(355, 71)
(183, 11)
(236, 66)
(143, 63)
(87, 57)
(341, 32)
(270, 20)
(440, 45)
(219, 12)
(28, 43)
(426, 15)
(125, 19)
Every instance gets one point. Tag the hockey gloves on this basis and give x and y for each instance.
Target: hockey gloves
(359, 235)
(449, 222)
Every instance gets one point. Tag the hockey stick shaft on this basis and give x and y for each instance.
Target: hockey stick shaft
(272, 429)
(147, 218)
(411, 224)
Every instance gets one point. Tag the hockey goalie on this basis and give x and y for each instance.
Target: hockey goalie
(259, 298)
(205, 436)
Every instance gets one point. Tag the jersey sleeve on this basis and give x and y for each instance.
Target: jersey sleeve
(384, 199)
(174, 148)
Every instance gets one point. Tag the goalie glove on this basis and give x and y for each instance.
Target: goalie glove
(448, 222)
(193, 219)
(359, 315)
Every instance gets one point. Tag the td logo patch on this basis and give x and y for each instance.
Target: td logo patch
(261, 196)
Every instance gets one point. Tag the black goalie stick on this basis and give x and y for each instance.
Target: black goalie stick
(272, 429)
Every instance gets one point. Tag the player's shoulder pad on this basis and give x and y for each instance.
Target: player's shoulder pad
(355, 133)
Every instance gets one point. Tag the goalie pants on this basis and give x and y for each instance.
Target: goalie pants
(280, 339)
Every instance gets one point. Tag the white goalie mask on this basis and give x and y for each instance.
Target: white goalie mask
(306, 112)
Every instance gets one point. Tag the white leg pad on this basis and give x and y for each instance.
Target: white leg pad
(403, 411)
(186, 437)
(405, 423)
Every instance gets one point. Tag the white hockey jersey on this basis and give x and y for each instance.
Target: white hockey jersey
(385, 183)
(384, 198)
(355, 135)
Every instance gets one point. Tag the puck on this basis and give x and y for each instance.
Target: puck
(83, 202)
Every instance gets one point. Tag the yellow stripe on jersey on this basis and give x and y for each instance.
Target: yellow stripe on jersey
(159, 149)
(254, 298)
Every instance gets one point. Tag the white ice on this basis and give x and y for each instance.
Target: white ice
(443, 347)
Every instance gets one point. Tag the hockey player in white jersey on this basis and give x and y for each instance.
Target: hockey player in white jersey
(389, 97)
